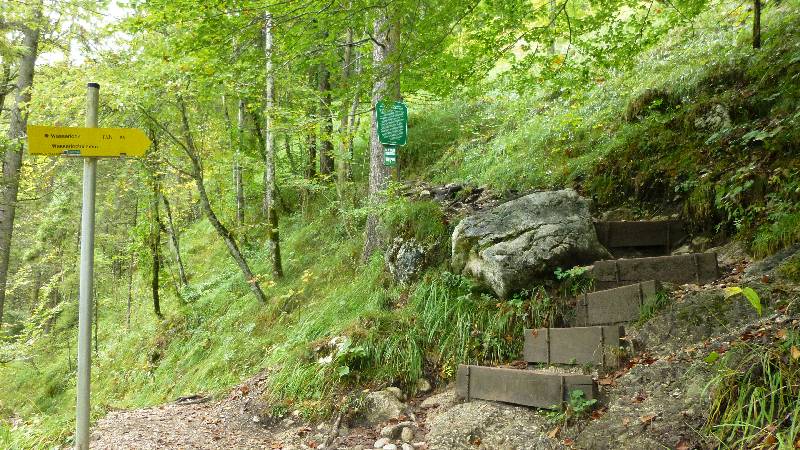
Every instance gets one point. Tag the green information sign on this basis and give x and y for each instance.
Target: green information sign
(390, 156)
(392, 123)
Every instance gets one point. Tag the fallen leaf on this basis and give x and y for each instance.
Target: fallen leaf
(783, 333)
(682, 444)
(605, 381)
(795, 352)
(598, 413)
(711, 358)
(626, 421)
(554, 432)
(568, 441)
(644, 420)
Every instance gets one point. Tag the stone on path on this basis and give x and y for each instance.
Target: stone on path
(511, 246)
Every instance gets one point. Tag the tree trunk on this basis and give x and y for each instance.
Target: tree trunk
(12, 160)
(130, 266)
(342, 163)
(155, 244)
(224, 233)
(173, 236)
(273, 238)
(237, 166)
(756, 23)
(326, 160)
(5, 84)
(387, 84)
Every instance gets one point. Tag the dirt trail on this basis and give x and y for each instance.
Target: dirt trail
(177, 426)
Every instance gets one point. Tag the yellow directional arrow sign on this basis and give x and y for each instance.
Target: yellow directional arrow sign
(73, 141)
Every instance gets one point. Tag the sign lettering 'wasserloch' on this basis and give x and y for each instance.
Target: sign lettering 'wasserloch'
(74, 141)
(392, 123)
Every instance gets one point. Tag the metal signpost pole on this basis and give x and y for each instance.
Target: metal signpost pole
(86, 280)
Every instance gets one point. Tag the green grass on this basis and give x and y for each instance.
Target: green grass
(219, 334)
(755, 397)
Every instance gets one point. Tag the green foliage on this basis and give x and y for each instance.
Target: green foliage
(691, 138)
(755, 396)
(748, 293)
(574, 281)
(791, 268)
(653, 306)
(575, 408)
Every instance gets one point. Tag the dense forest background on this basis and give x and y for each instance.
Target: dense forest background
(254, 229)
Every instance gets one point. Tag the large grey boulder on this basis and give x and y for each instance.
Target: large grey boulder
(513, 245)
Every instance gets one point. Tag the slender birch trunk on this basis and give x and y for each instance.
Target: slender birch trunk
(326, 159)
(273, 238)
(174, 240)
(12, 159)
(237, 165)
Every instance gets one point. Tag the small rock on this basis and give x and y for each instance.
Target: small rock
(419, 445)
(382, 406)
(445, 399)
(406, 446)
(423, 385)
(380, 443)
(396, 392)
(389, 447)
(393, 431)
(256, 419)
(407, 435)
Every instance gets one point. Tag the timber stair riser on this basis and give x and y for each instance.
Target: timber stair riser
(680, 269)
(615, 306)
(521, 387)
(580, 345)
(661, 235)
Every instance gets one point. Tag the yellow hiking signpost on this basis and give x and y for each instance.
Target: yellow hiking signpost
(99, 142)
(90, 143)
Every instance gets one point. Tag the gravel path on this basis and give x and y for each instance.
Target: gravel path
(176, 426)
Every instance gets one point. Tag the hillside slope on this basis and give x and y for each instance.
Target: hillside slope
(704, 127)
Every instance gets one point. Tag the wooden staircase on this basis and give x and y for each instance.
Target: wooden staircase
(625, 286)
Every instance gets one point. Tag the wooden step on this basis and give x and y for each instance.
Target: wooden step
(521, 387)
(667, 234)
(615, 306)
(692, 268)
(580, 345)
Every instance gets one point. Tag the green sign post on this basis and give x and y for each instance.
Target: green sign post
(392, 129)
